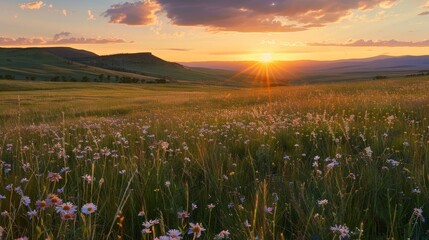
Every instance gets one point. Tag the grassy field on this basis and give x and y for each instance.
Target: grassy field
(323, 161)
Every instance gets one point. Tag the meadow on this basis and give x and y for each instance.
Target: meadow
(190, 161)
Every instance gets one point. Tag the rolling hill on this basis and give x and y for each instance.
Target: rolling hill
(307, 71)
(148, 64)
(44, 64)
(69, 64)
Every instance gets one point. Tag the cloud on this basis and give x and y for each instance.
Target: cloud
(32, 5)
(90, 15)
(63, 38)
(424, 13)
(243, 15)
(371, 43)
(137, 13)
(426, 5)
(61, 35)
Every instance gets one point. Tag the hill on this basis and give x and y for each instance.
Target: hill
(308, 71)
(148, 64)
(69, 64)
(44, 64)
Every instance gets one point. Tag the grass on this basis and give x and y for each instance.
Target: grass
(343, 160)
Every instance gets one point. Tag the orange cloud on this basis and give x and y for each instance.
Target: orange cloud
(243, 15)
(32, 5)
(138, 13)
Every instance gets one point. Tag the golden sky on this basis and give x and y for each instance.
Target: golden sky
(225, 30)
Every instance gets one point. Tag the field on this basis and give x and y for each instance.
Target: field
(322, 161)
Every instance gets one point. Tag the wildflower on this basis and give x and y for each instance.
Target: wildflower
(194, 206)
(141, 213)
(341, 230)
(174, 234)
(68, 216)
(32, 214)
(54, 177)
(183, 214)
(418, 213)
(224, 234)
(269, 210)
(19, 191)
(53, 200)
(368, 151)
(211, 206)
(88, 178)
(322, 202)
(67, 207)
(147, 224)
(196, 229)
(65, 170)
(146, 231)
(25, 200)
(89, 208)
(2, 196)
(60, 190)
(393, 163)
(122, 171)
(41, 204)
(24, 180)
(167, 183)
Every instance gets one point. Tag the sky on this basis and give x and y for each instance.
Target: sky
(222, 30)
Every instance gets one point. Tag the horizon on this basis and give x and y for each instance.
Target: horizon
(221, 61)
(286, 30)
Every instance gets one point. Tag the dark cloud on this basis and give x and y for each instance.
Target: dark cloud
(371, 43)
(62, 38)
(137, 13)
(243, 15)
(424, 13)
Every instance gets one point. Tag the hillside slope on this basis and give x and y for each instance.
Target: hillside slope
(44, 64)
(148, 64)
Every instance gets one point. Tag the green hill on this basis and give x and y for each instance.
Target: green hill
(148, 64)
(45, 64)
(69, 64)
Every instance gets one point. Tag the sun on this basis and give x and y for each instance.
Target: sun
(266, 58)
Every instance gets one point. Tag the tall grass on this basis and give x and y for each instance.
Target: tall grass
(317, 162)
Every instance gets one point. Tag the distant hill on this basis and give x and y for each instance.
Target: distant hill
(69, 64)
(70, 53)
(148, 64)
(44, 64)
(308, 71)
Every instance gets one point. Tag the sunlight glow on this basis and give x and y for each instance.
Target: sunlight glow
(266, 58)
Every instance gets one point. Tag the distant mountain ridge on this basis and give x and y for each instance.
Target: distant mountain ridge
(336, 70)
